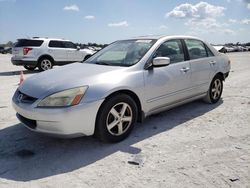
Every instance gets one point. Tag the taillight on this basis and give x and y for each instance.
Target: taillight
(26, 50)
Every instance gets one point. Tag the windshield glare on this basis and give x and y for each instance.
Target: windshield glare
(122, 53)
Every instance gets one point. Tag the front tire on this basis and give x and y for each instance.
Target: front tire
(215, 90)
(45, 64)
(116, 118)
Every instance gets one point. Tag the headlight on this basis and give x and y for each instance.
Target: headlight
(68, 97)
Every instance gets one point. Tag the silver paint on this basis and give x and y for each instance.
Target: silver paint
(158, 89)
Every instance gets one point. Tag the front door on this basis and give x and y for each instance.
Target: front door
(73, 53)
(168, 84)
(57, 51)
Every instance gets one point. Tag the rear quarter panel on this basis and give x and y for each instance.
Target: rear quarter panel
(223, 64)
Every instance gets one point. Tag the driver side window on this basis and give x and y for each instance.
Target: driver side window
(172, 49)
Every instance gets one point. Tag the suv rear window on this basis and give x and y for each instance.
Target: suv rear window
(27, 42)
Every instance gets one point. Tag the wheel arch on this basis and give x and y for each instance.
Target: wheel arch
(220, 74)
(133, 95)
(46, 56)
(208, 98)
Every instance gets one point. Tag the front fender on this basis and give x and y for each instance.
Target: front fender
(105, 86)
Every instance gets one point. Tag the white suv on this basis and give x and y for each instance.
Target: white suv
(44, 53)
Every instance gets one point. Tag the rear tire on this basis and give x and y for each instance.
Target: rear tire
(45, 64)
(116, 118)
(215, 90)
(28, 67)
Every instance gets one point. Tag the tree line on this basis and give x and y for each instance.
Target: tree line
(8, 44)
(91, 45)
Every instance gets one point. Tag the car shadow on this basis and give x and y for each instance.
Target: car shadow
(11, 73)
(26, 156)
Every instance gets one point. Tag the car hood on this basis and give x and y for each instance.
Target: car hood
(66, 77)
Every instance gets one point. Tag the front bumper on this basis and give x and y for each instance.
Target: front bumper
(72, 121)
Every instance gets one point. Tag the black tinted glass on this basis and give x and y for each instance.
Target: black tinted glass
(209, 52)
(69, 45)
(25, 42)
(56, 44)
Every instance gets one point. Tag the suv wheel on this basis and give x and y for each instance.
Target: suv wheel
(45, 64)
(28, 67)
(116, 118)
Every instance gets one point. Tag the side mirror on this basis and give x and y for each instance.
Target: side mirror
(161, 61)
(78, 48)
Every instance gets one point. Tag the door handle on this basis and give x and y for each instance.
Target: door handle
(212, 62)
(185, 69)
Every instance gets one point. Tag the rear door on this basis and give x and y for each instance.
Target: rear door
(58, 51)
(201, 61)
(168, 84)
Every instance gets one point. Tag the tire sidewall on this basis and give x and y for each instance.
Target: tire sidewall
(101, 130)
(210, 89)
(40, 64)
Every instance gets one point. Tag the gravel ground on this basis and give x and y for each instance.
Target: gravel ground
(194, 145)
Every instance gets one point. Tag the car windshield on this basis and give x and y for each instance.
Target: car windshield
(122, 53)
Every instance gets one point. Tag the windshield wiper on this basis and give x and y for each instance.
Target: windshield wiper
(102, 63)
(112, 64)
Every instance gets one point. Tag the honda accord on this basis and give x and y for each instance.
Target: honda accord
(120, 85)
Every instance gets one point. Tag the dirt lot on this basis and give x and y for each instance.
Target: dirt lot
(195, 145)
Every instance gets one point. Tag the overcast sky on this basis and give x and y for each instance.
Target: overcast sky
(104, 21)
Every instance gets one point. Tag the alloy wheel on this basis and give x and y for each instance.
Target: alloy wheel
(119, 119)
(46, 64)
(216, 89)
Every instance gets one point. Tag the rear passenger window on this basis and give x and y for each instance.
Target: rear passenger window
(56, 44)
(172, 49)
(196, 49)
(28, 42)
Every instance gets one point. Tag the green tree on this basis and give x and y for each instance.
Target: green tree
(9, 44)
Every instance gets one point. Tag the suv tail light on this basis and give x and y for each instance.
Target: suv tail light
(26, 50)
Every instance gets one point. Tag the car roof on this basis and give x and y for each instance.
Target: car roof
(157, 37)
(43, 38)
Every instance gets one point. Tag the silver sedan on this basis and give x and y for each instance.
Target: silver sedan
(120, 85)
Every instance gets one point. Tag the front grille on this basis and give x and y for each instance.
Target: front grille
(21, 97)
(28, 122)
